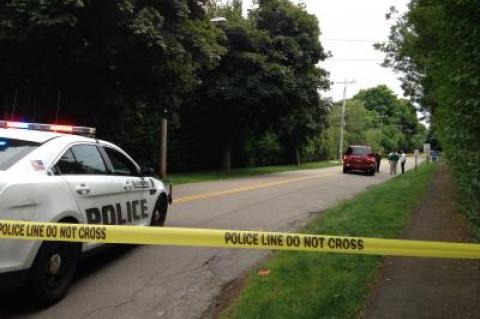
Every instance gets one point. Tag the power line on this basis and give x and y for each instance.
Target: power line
(349, 40)
(356, 60)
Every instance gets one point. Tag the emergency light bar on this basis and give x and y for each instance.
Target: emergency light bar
(79, 130)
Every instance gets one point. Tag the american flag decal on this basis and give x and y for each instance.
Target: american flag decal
(37, 165)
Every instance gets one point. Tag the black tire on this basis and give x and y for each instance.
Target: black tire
(53, 270)
(160, 212)
(371, 173)
(345, 170)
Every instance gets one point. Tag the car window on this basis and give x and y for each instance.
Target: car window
(361, 150)
(121, 164)
(81, 160)
(89, 158)
(12, 150)
(68, 165)
(349, 151)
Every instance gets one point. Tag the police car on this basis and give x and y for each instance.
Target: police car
(58, 173)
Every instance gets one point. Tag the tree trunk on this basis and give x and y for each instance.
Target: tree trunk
(227, 154)
(297, 156)
(296, 150)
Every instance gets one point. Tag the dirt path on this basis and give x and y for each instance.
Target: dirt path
(429, 288)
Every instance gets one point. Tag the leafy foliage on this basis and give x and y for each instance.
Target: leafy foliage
(436, 46)
(241, 92)
(267, 84)
(295, 43)
(115, 65)
(376, 117)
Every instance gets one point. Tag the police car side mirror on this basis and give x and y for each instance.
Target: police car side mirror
(146, 171)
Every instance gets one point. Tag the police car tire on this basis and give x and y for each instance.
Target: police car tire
(46, 287)
(160, 212)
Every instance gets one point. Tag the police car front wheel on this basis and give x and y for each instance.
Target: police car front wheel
(160, 212)
(53, 271)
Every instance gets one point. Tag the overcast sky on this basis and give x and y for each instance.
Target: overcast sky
(349, 28)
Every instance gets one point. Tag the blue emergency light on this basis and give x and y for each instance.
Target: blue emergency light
(80, 130)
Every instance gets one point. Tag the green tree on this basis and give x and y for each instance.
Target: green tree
(396, 118)
(380, 99)
(112, 64)
(266, 83)
(359, 127)
(435, 45)
(295, 44)
(236, 95)
(375, 117)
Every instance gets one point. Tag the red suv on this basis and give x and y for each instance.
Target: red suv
(359, 158)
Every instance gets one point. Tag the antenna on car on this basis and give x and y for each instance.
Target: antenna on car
(58, 106)
(14, 105)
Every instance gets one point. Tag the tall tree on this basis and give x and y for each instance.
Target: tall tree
(396, 117)
(105, 63)
(235, 96)
(295, 44)
(435, 45)
(380, 99)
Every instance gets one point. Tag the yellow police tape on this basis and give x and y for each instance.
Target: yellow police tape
(233, 239)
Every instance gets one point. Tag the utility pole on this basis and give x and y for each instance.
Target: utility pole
(342, 125)
(163, 145)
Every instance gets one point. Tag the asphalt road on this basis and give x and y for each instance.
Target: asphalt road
(182, 282)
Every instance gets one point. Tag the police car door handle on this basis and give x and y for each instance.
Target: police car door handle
(82, 189)
(128, 186)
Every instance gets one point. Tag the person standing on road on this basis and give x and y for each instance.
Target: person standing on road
(403, 160)
(378, 159)
(393, 159)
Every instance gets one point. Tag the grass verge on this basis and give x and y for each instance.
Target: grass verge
(325, 285)
(196, 177)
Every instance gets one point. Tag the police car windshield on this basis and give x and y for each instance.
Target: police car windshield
(12, 150)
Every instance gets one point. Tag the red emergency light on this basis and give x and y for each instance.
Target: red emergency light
(79, 130)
